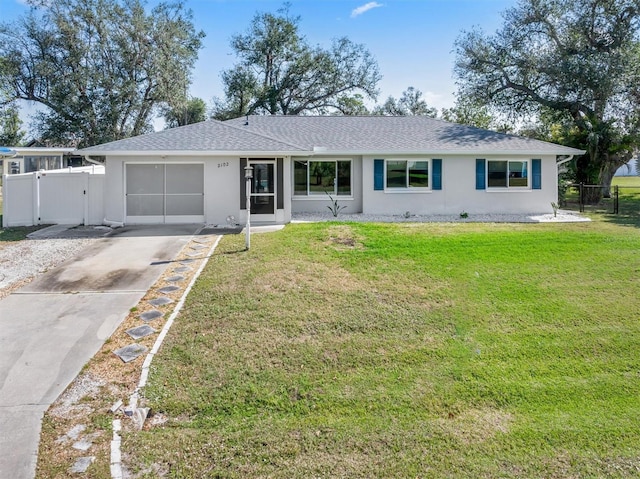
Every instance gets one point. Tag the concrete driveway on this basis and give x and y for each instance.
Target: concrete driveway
(51, 327)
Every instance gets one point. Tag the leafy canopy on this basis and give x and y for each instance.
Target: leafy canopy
(409, 104)
(278, 72)
(577, 58)
(99, 68)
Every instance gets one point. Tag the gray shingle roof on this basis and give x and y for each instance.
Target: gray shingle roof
(400, 134)
(330, 135)
(207, 136)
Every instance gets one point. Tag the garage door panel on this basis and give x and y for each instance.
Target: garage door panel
(145, 179)
(185, 179)
(145, 205)
(184, 205)
(165, 192)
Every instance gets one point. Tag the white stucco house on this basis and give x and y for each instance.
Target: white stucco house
(372, 165)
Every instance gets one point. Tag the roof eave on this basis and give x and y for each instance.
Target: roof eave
(190, 153)
(478, 152)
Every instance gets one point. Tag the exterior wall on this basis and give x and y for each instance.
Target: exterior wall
(319, 203)
(459, 192)
(95, 207)
(221, 185)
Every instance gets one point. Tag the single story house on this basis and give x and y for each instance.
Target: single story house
(370, 164)
(29, 159)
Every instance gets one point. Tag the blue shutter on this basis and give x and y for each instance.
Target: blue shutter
(437, 175)
(378, 174)
(481, 181)
(536, 174)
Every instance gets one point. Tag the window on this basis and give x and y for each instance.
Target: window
(319, 177)
(507, 174)
(41, 162)
(407, 173)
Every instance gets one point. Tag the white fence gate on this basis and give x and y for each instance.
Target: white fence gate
(72, 196)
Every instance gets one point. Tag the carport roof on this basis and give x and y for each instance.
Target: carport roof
(317, 135)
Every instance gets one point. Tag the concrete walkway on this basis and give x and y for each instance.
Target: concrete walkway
(51, 327)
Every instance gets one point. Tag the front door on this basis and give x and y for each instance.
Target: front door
(263, 191)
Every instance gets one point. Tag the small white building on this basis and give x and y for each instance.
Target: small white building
(29, 159)
(372, 164)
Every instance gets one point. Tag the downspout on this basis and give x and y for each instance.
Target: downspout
(562, 162)
(558, 164)
(112, 224)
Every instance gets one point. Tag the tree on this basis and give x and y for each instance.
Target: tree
(10, 126)
(468, 112)
(578, 58)
(410, 103)
(99, 68)
(190, 111)
(280, 73)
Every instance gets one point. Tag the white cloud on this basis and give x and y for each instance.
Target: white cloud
(364, 8)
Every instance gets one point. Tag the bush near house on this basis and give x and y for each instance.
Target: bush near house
(404, 350)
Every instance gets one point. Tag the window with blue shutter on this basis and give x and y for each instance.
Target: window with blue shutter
(437, 174)
(481, 182)
(536, 174)
(378, 175)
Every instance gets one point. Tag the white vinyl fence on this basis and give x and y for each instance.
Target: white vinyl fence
(70, 196)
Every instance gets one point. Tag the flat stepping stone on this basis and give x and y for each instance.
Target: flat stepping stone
(82, 445)
(161, 301)
(151, 315)
(187, 261)
(82, 464)
(198, 247)
(140, 331)
(193, 255)
(174, 279)
(182, 269)
(130, 352)
(168, 289)
(201, 241)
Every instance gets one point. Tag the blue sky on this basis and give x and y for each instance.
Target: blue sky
(412, 40)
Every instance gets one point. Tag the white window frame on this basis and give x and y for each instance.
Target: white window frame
(407, 187)
(333, 193)
(507, 187)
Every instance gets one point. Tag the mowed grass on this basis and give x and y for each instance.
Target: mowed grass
(403, 350)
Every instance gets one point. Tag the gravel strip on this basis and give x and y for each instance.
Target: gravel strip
(562, 217)
(21, 261)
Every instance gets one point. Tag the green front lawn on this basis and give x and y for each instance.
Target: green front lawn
(436, 350)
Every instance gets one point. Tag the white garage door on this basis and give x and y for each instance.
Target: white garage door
(165, 193)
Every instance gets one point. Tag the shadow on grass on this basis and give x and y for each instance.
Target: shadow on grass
(628, 210)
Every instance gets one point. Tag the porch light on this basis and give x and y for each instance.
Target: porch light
(248, 176)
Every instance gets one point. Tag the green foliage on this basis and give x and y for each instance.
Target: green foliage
(410, 103)
(335, 208)
(10, 126)
(577, 59)
(100, 68)
(185, 112)
(469, 112)
(278, 72)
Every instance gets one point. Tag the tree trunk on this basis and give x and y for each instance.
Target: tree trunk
(607, 170)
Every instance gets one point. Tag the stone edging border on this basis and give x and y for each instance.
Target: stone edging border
(139, 414)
